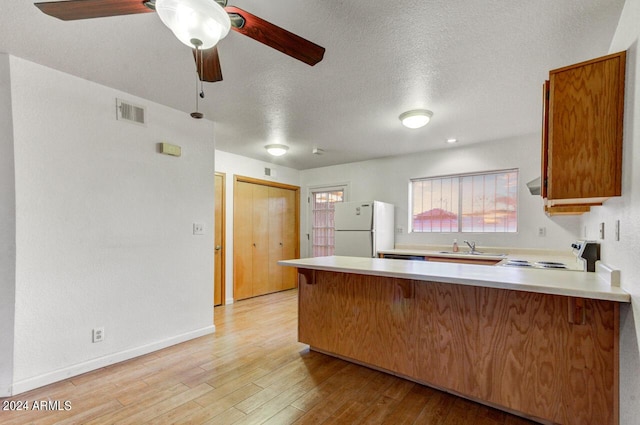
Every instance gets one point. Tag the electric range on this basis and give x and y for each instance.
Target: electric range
(587, 253)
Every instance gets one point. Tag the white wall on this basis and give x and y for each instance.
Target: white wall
(624, 254)
(388, 180)
(104, 227)
(233, 165)
(7, 230)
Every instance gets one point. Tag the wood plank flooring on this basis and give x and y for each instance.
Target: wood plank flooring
(251, 371)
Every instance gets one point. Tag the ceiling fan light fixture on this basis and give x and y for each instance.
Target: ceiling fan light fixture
(196, 23)
(416, 118)
(277, 149)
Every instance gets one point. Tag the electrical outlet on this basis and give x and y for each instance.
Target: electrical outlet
(399, 230)
(198, 229)
(98, 334)
(542, 231)
(601, 230)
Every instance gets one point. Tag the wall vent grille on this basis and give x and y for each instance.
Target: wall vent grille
(126, 111)
(267, 172)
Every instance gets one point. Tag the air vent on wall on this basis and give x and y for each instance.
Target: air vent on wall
(127, 111)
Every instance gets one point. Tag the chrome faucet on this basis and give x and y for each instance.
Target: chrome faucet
(471, 245)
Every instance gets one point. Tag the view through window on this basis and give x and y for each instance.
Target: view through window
(323, 227)
(481, 202)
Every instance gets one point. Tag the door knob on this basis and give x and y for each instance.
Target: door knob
(218, 247)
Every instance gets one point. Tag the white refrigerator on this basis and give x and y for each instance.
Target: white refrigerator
(363, 228)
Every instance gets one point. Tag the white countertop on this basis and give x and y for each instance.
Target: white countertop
(568, 259)
(555, 282)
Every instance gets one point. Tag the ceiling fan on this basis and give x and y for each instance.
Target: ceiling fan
(199, 24)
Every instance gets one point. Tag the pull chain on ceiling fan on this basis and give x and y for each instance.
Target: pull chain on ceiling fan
(198, 115)
(214, 17)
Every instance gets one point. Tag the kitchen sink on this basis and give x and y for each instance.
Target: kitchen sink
(465, 253)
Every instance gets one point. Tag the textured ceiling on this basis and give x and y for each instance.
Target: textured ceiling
(478, 65)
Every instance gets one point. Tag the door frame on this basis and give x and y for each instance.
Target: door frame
(223, 237)
(344, 186)
(244, 179)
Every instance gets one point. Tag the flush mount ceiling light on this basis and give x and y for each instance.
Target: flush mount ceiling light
(277, 149)
(196, 23)
(452, 140)
(416, 118)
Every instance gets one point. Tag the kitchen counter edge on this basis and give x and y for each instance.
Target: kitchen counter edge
(553, 282)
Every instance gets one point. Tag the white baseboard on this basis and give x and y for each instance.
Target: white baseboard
(93, 364)
(229, 301)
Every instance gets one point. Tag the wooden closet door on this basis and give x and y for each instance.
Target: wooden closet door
(276, 229)
(260, 230)
(290, 238)
(243, 240)
(265, 231)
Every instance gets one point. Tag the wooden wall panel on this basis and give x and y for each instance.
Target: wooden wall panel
(507, 348)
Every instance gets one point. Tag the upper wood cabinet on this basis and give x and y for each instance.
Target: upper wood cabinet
(582, 134)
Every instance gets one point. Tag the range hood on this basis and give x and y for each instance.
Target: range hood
(534, 186)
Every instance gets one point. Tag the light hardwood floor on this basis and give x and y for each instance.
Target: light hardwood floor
(251, 371)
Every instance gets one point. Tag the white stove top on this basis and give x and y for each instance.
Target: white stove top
(550, 265)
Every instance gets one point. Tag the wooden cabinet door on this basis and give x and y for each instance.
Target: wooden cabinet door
(545, 140)
(586, 103)
(243, 241)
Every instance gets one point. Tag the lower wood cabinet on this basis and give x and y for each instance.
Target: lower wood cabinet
(266, 223)
(547, 357)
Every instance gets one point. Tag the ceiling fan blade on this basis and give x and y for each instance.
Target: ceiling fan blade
(278, 38)
(84, 9)
(210, 70)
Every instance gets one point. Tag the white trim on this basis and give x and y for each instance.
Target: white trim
(93, 364)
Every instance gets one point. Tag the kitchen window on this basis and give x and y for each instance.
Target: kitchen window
(479, 203)
(322, 221)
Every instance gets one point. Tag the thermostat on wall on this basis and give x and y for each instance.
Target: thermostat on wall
(169, 149)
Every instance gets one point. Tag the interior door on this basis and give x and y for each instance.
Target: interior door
(276, 243)
(218, 241)
(290, 238)
(266, 221)
(243, 240)
(260, 246)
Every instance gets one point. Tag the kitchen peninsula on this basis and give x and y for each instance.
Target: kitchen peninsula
(539, 343)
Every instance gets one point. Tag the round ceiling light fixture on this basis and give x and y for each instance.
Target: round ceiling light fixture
(196, 23)
(277, 149)
(416, 118)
